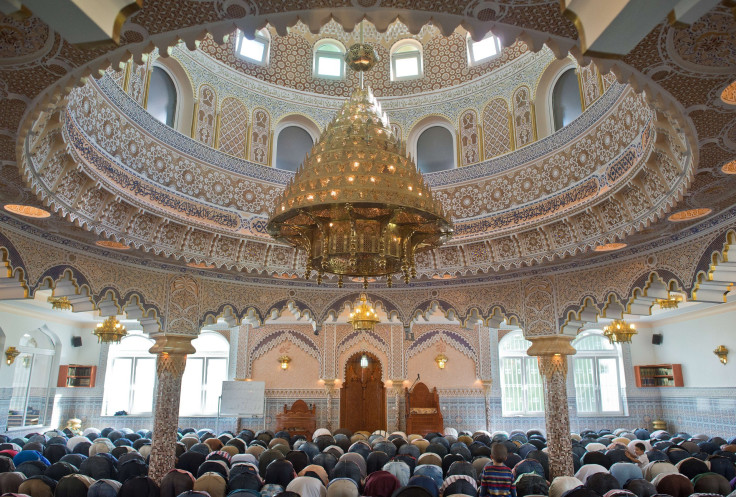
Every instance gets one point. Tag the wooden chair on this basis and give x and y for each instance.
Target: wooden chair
(423, 413)
(299, 420)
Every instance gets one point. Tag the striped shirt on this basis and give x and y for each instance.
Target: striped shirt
(496, 481)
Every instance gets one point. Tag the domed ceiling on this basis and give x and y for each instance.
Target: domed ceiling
(608, 180)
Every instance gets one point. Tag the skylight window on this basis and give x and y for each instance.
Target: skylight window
(483, 50)
(328, 60)
(255, 50)
(406, 60)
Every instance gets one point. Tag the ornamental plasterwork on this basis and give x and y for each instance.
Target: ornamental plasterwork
(404, 110)
(603, 138)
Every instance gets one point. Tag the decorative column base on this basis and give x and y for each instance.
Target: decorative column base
(172, 353)
(552, 352)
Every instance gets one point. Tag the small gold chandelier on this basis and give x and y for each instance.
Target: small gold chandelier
(671, 302)
(357, 205)
(110, 330)
(60, 303)
(619, 331)
(364, 317)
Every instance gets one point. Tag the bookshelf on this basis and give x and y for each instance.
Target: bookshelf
(658, 375)
(74, 375)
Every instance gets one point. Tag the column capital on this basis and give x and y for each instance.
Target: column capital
(173, 344)
(551, 345)
(552, 352)
(487, 384)
(329, 384)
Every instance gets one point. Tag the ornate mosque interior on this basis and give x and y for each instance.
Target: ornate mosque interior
(585, 160)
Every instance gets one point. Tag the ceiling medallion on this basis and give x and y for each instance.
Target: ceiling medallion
(110, 330)
(357, 205)
(112, 245)
(27, 211)
(609, 246)
(364, 317)
(619, 331)
(729, 167)
(689, 214)
(60, 303)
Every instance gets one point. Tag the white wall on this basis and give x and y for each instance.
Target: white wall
(16, 322)
(690, 340)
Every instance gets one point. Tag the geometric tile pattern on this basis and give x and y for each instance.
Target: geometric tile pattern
(496, 128)
(233, 127)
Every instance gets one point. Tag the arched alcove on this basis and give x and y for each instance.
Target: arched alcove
(184, 91)
(433, 144)
(543, 95)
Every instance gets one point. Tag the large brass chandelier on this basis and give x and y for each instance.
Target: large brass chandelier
(364, 317)
(110, 330)
(357, 205)
(619, 331)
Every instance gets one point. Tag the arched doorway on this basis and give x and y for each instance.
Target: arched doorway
(362, 398)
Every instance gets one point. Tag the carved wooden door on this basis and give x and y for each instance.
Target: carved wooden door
(362, 398)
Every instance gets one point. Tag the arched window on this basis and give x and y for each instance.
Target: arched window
(255, 50)
(130, 377)
(435, 150)
(598, 374)
(161, 102)
(483, 50)
(566, 99)
(292, 145)
(29, 401)
(205, 371)
(328, 59)
(406, 60)
(521, 383)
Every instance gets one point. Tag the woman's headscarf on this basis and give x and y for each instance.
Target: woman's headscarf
(175, 482)
(589, 469)
(38, 486)
(426, 482)
(640, 487)
(381, 484)
(280, 472)
(9, 482)
(673, 484)
(412, 491)
(139, 486)
(625, 471)
(432, 471)
(358, 459)
(457, 484)
(73, 486)
(104, 488)
(602, 483)
(375, 461)
(531, 484)
(711, 483)
(212, 483)
(342, 487)
(347, 469)
(306, 486)
(563, 484)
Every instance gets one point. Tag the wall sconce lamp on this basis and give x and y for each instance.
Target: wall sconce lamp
(284, 360)
(441, 360)
(10, 354)
(722, 353)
